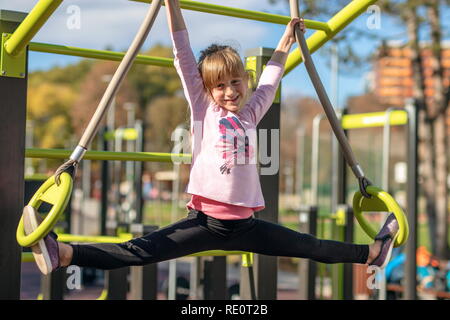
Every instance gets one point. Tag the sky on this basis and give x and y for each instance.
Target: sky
(113, 23)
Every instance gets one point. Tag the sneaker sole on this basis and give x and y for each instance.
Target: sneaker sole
(389, 254)
(39, 250)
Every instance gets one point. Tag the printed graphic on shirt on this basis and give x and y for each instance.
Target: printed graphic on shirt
(233, 145)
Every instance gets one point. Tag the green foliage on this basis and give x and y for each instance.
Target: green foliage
(165, 114)
(48, 108)
(152, 82)
(71, 75)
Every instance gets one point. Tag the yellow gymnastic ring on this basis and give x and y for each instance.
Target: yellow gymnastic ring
(380, 201)
(51, 193)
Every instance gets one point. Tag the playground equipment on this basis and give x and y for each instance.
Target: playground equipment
(142, 279)
(57, 191)
(313, 221)
(16, 38)
(369, 198)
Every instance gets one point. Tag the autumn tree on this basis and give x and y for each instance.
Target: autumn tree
(49, 109)
(91, 92)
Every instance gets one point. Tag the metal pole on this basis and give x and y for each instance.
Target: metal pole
(29, 136)
(105, 179)
(335, 75)
(86, 192)
(307, 269)
(12, 145)
(337, 176)
(300, 157)
(138, 167)
(129, 166)
(315, 160)
(174, 215)
(314, 195)
(385, 185)
(143, 279)
(118, 139)
(289, 182)
(412, 196)
(265, 267)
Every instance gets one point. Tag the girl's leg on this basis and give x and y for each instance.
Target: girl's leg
(268, 238)
(182, 238)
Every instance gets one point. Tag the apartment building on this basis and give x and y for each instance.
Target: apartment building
(392, 80)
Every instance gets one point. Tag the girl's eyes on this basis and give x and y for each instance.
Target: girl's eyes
(233, 82)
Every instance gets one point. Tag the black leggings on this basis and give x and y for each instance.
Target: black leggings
(200, 232)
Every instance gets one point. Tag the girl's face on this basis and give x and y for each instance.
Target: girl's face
(230, 93)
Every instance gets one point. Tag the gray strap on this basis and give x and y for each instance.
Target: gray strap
(117, 79)
(323, 97)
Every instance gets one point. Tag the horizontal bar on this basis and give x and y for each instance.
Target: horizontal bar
(98, 54)
(109, 155)
(218, 253)
(336, 24)
(373, 119)
(28, 256)
(31, 25)
(244, 14)
(63, 237)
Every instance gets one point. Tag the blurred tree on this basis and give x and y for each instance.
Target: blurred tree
(48, 107)
(70, 75)
(432, 118)
(152, 81)
(165, 114)
(91, 92)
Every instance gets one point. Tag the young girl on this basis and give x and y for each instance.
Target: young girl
(224, 184)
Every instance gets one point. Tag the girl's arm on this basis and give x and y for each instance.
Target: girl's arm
(174, 16)
(185, 63)
(270, 78)
(287, 40)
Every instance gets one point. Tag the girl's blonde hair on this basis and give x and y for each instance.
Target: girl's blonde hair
(217, 62)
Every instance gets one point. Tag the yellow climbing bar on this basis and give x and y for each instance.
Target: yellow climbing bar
(335, 24)
(109, 155)
(373, 119)
(244, 14)
(31, 25)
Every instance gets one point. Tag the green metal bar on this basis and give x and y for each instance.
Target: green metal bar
(108, 155)
(94, 239)
(336, 24)
(244, 14)
(31, 25)
(218, 253)
(28, 256)
(98, 54)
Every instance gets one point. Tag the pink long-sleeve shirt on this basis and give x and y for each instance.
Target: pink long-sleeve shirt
(224, 180)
